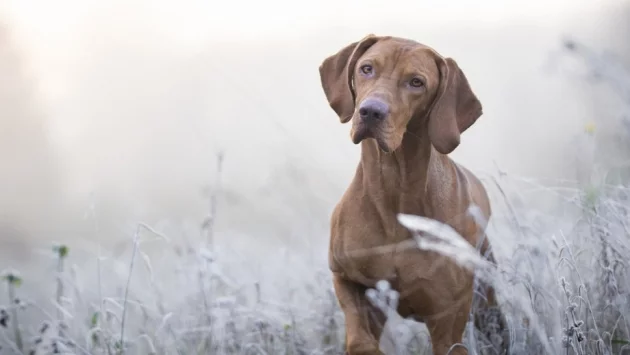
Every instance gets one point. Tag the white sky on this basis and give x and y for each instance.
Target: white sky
(191, 19)
(50, 30)
(66, 39)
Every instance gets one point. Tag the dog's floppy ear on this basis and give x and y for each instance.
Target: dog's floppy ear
(455, 108)
(336, 75)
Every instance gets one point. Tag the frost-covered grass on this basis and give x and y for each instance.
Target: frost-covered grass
(562, 280)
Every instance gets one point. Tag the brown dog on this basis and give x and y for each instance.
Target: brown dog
(408, 107)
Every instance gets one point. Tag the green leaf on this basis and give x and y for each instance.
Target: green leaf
(94, 320)
(13, 280)
(62, 250)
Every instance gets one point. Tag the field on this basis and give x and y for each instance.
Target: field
(169, 197)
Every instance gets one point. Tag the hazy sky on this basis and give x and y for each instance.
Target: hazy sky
(190, 19)
(138, 97)
(50, 31)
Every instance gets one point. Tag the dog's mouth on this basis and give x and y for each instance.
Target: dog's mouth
(365, 131)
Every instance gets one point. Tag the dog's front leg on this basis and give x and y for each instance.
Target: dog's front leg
(363, 322)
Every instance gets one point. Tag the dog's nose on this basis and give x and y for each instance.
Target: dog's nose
(373, 110)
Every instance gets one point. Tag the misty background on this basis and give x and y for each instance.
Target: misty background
(113, 113)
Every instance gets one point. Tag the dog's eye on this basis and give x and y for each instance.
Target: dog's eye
(366, 69)
(416, 83)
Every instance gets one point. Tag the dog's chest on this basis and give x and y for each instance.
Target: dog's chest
(365, 249)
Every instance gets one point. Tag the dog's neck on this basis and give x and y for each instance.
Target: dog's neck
(401, 173)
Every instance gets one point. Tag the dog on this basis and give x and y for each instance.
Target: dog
(408, 106)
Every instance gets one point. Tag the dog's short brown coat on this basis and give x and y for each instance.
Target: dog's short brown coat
(425, 103)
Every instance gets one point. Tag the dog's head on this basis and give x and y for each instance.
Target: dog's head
(386, 85)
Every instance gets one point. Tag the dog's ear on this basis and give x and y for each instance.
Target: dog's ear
(455, 108)
(337, 73)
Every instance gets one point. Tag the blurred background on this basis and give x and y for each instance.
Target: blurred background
(117, 112)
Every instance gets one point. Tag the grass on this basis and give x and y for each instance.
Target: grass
(562, 280)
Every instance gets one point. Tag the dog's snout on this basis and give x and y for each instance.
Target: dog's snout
(373, 110)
